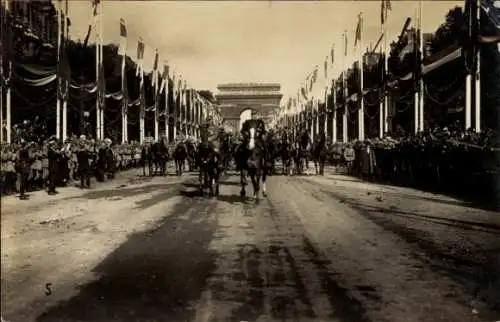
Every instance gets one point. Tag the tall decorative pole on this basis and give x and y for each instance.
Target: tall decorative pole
(334, 111)
(122, 51)
(420, 61)
(166, 88)
(345, 133)
(8, 79)
(416, 99)
(102, 100)
(477, 75)
(361, 111)
(154, 84)
(58, 81)
(65, 79)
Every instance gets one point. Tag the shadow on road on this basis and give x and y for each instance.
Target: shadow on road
(475, 269)
(232, 199)
(156, 275)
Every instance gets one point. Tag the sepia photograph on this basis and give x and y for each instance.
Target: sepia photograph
(250, 161)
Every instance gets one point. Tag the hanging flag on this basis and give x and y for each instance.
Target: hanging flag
(385, 7)
(332, 54)
(358, 30)
(410, 36)
(154, 76)
(492, 10)
(95, 5)
(140, 57)
(303, 92)
(164, 78)
(123, 38)
(345, 43)
(101, 85)
(326, 67)
(314, 77)
(315, 74)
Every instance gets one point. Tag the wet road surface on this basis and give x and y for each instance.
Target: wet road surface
(326, 248)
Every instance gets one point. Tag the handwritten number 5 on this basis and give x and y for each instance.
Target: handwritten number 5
(48, 289)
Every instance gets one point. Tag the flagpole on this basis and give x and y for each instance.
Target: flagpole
(361, 111)
(166, 107)
(420, 60)
(185, 109)
(124, 102)
(66, 81)
(8, 86)
(58, 101)
(102, 100)
(155, 91)
(334, 108)
(325, 115)
(416, 97)
(174, 95)
(382, 112)
(477, 89)
(345, 133)
(98, 91)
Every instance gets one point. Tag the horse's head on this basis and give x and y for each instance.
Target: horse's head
(252, 132)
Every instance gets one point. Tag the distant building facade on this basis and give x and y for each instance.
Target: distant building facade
(241, 101)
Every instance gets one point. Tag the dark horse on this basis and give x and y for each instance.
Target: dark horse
(319, 154)
(146, 159)
(250, 156)
(286, 153)
(191, 155)
(227, 150)
(300, 155)
(159, 157)
(180, 155)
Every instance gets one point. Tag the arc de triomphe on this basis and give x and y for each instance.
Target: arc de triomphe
(241, 101)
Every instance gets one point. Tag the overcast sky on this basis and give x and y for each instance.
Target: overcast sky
(210, 43)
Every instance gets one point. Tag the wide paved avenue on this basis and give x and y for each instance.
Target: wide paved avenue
(328, 248)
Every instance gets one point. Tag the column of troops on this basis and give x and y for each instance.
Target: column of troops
(29, 166)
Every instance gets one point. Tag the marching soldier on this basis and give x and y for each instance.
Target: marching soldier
(349, 157)
(23, 169)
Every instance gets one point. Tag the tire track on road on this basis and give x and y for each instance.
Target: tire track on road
(465, 262)
(153, 273)
(406, 256)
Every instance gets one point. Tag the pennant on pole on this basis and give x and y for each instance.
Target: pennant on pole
(345, 43)
(385, 7)
(140, 57)
(154, 76)
(326, 67)
(164, 78)
(332, 54)
(123, 38)
(358, 30)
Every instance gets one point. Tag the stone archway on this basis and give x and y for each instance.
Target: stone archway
(246, 114)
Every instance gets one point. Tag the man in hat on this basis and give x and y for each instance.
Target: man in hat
(53, 156)
(83, 156)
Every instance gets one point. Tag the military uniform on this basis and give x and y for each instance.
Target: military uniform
(84, 160)
(23, 169)
(53, 156)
